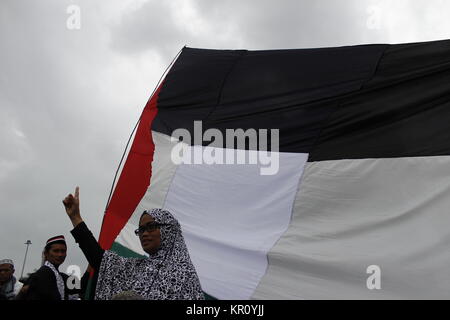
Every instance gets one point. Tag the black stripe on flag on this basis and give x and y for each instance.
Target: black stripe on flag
(369, 101)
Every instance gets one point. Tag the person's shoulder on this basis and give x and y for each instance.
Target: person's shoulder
(114, 257)
(43, 272)
(17, 286)
(42, 269)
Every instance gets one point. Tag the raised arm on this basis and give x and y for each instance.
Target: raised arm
(83, 236)
(72, 206)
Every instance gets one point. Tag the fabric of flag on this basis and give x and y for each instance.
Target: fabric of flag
(363, 177)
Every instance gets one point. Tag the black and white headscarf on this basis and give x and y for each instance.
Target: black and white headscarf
(167, 274)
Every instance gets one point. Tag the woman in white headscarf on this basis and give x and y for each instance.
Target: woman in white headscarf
(167, 273)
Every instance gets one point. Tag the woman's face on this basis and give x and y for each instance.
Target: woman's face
(150, 238)
(56, 254)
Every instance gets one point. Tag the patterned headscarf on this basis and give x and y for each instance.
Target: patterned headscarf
(167, 274)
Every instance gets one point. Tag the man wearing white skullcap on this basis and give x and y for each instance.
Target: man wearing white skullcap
(9, 286)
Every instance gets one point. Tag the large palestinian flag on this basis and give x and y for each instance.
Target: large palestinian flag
(358, 204)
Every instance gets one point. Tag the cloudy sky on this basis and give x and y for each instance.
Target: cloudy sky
(71, 90)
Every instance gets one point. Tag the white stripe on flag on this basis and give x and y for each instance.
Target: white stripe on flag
(351, 214)
(231, 217)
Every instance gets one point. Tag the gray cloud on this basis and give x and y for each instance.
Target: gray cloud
(262, 24)
(56, 130)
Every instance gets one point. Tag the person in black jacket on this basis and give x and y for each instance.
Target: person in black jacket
(48, 283)
(166, 274)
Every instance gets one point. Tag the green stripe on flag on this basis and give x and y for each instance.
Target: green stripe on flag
(124, 251)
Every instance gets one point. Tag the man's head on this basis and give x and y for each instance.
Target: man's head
(6, 270)
(55, 250)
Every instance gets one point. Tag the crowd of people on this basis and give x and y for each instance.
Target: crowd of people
(166, 274)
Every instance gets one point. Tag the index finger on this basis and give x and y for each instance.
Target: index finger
(77, 192)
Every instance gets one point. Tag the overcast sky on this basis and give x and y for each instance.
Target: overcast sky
(69, 97)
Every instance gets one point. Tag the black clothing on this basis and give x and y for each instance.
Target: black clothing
(43, 286)
(90, 247)
(93, 253)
